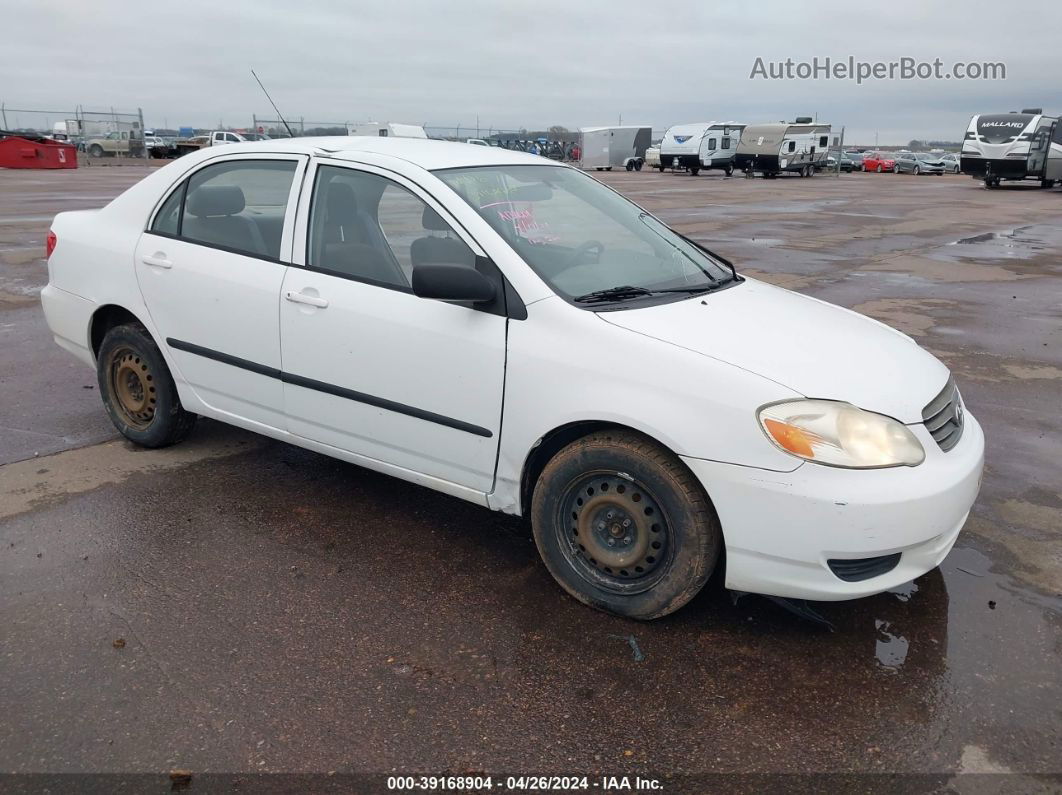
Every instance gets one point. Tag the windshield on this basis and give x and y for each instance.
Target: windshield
(586, 241)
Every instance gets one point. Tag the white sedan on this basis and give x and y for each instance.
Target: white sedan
(510, 331)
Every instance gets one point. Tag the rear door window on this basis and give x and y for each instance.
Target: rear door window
(237, 205)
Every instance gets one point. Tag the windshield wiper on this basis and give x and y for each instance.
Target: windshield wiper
(613, 294)
(627, 291)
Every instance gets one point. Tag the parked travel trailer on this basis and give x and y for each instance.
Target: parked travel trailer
(704, 145)
(605, 148)
(771, 149)
(1013, 146)
(387, 130)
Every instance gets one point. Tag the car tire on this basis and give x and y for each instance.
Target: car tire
(694, 171)
(138, 390)
(95, 151)
(729, 170)
(879, 168)
(620, 486)
(916, 171)
(630, 165)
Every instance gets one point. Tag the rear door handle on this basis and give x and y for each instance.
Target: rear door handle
(303, 298)
(157, 260)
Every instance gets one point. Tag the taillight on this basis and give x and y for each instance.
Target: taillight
(49, 245)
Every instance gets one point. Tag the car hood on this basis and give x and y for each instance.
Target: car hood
(814, 348)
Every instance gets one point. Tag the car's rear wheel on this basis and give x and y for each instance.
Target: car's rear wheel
(138, 390)
(95, 150)
(624, 526)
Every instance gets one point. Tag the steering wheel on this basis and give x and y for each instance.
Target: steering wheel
(583, 250)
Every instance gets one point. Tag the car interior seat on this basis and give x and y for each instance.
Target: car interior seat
(213, 215)
(351, 241)
(439, 248)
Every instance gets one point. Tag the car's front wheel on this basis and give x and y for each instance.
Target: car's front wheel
(624, 526)
(138, 390)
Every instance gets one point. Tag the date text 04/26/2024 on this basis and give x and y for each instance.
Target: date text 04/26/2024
(523, 783)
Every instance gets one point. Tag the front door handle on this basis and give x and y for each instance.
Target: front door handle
(303, 298)
(157, 260)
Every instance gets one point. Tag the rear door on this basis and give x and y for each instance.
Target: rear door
(371, 368)
(210, 270)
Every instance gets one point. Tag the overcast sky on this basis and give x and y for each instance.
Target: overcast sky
(526, 64)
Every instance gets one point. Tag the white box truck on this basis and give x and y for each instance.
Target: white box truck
(605, 148)
(387, 129)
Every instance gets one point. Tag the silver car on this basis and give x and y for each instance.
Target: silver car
(951, 163)
(919, 163)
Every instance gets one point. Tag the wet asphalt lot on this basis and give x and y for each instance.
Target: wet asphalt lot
(239, 605)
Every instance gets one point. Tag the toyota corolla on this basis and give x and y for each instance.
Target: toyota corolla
(512, 332)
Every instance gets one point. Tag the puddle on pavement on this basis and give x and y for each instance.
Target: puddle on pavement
(891, 649)
(1023, 242)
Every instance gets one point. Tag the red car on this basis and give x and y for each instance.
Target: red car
(878, 161)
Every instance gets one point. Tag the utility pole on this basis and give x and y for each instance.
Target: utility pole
(840, 153)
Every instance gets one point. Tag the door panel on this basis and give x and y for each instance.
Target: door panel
(408, 381)
(226, 304)
(210, 274)
(371, 368)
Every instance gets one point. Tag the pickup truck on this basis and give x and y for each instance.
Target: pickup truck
(116, 143)
(186, 146)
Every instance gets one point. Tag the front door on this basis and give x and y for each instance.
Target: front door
(210, 268)
(371, 368)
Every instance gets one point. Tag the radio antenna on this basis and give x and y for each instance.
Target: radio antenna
(271, 102)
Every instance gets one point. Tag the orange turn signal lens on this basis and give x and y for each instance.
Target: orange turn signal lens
(791, 438)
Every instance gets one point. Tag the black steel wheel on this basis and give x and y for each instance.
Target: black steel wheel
(613, 532)
(138, 390)
(624, 526)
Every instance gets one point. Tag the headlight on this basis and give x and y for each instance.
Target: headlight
(840, 435)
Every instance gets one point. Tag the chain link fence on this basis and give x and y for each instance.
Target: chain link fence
(114, 134)
(97, 133)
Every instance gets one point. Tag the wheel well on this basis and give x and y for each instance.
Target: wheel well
(551, 444)
(104, 319)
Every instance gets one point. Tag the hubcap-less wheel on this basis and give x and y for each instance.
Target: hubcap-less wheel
(614, 533)
(134, 388)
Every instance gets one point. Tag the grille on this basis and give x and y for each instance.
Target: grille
(944, 417)
(859, 569)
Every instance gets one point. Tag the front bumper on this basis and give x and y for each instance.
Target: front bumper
(781, 528)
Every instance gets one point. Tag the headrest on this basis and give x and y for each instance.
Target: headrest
(215, 200)
(433, 222)
(341, 201)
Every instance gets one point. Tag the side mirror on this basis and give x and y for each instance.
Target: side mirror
(447, 282)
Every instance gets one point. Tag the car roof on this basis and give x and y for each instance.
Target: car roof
(424, 152)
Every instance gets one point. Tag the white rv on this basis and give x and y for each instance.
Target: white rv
(1013, 146)
(771, 149)
(387, 130)
(605, 148)
(704, 145)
